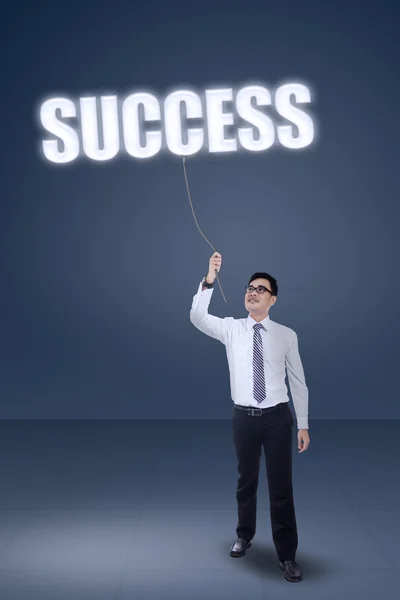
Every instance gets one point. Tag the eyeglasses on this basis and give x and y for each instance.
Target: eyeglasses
(260, 289)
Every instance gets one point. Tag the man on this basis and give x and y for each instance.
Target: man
(258, 352)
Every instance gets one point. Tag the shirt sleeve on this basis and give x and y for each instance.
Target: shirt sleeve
(297, 383)
(212, 326)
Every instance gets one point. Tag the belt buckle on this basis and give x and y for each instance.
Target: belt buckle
(254, 414)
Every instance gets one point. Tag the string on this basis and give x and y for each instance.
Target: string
(191, 205)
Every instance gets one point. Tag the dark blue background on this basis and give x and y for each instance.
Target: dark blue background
(100, 261)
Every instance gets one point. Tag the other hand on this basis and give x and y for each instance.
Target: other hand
(303, 440)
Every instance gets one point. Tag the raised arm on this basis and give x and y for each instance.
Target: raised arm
(215, 327)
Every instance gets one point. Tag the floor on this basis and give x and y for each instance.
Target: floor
(111, 510)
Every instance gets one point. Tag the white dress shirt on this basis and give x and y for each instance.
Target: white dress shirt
(281, 351)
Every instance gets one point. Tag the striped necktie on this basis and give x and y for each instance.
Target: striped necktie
(258, 365)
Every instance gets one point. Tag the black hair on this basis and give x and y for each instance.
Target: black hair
(272, 281)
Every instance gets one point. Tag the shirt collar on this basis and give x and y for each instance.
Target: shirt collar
(250, 322)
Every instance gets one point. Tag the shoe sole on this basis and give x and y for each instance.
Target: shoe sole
(292, 579)
(239, 554)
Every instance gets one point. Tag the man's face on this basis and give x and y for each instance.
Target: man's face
(257, 302)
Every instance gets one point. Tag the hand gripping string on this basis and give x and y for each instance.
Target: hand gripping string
(191, 205)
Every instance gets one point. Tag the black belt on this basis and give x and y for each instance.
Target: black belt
(253, 411)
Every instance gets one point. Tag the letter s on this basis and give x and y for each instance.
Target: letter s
(64, 132)
(294, 114)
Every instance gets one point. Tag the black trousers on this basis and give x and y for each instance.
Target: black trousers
(272, 431)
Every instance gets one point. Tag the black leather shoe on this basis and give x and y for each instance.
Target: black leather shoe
(292, 570)
(239, 547)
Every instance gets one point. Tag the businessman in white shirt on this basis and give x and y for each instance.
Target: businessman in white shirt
(259, 351)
